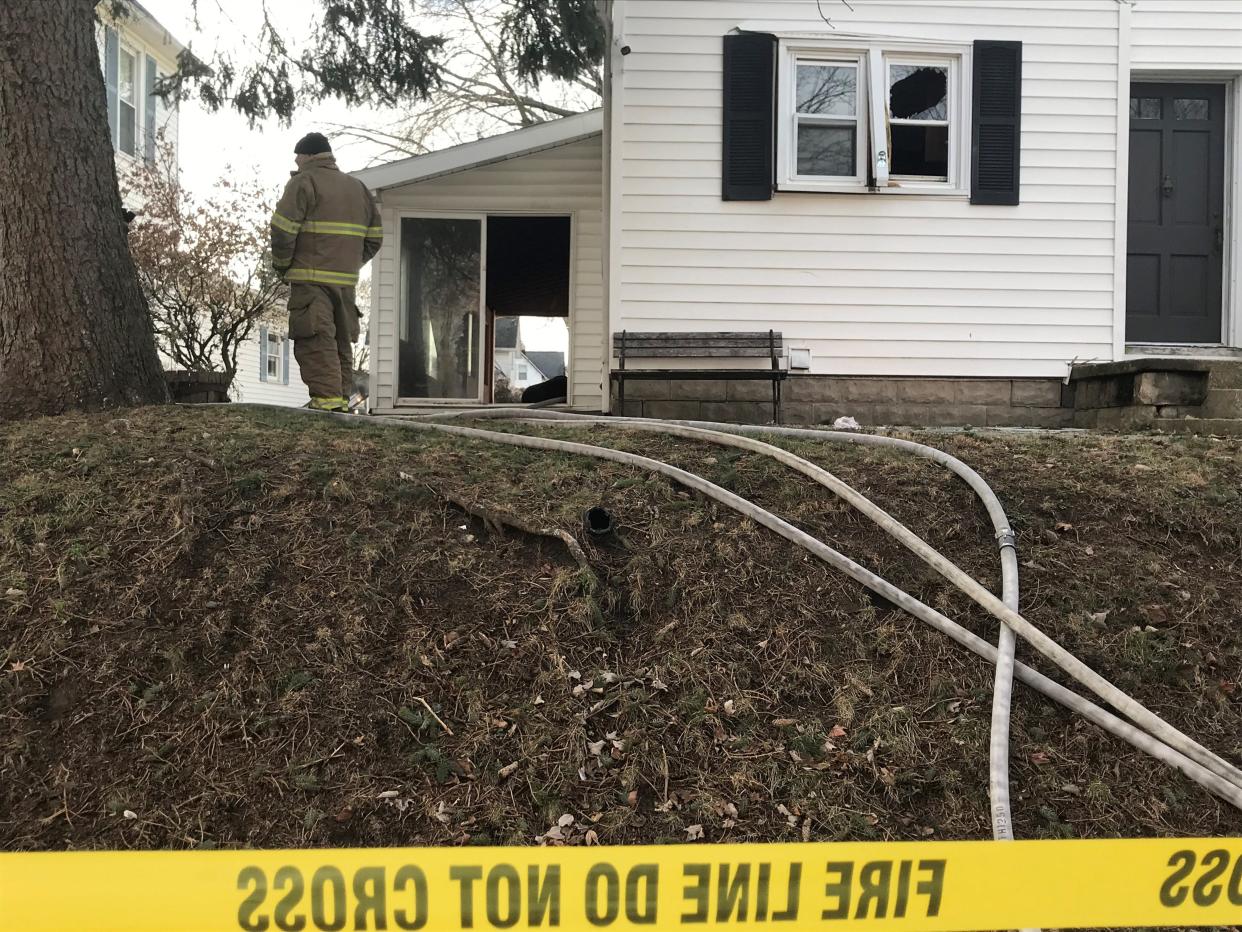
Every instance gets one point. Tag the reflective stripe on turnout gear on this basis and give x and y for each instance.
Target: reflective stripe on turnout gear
(284, 223)
(333, 228)
(322, 277)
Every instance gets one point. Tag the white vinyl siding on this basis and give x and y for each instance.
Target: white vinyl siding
(564, 180)
(1187, 35)
(249, 386)
(895, 285)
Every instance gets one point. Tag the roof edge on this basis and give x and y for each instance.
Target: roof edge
(548, 135)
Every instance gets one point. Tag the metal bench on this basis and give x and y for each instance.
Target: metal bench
(629, 345)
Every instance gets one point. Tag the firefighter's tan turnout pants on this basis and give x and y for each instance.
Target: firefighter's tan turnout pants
(324, 325)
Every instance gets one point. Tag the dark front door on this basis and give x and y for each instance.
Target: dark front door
(1177, 205)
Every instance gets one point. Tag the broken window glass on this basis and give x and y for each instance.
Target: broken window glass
(919, 120)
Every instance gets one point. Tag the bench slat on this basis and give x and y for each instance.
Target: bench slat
(701, 352)
(651, 344)
(643, 344)
(695, 334)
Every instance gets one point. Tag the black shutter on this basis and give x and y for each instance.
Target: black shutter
(749, 91)
(996, 131)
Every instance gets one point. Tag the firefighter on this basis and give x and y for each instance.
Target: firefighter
(325, 228)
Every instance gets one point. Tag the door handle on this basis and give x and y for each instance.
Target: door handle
(1167, 186)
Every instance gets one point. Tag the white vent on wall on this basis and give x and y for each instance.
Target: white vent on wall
(799, 359)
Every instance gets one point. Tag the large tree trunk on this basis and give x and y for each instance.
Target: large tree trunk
(74, 328)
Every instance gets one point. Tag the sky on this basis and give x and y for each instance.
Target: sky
(224, 144)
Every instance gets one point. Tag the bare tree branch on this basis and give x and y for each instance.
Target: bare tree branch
(203, 265)
(480, 93)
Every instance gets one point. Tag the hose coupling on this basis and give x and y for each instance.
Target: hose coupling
(1006, 538)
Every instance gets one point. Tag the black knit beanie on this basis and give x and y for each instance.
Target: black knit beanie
(312, 144)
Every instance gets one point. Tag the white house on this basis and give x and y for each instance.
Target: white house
(135, 52)
(942, 206)
(520, 366)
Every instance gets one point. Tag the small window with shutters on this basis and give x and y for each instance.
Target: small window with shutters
(863, 116)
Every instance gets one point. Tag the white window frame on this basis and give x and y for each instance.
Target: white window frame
(275, 356)
(127, 48)
(793, 119)
(874, 56)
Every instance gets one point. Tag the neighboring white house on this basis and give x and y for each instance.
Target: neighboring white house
(522, 367)
(943, 202)
(135, 52)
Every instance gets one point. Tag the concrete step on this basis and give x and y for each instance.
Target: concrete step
(1222, 402)
(1225, 375)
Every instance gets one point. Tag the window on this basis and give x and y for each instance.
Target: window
(918, 109)
(876, 117)
(274, 358)
(523, 373)
(127, 97)
(826, 96)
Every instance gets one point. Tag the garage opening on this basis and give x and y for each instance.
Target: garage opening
(527, 301)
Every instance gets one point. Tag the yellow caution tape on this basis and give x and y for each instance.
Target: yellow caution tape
(912, 885)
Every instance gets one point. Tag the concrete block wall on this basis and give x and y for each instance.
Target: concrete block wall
(872, 401)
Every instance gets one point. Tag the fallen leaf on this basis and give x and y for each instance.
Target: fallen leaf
(565, 821)
(1064, 526)
(18, 666)
(631, 799)
(837, 732)
(508, 770)
(1040, 757)
(694, 832)
(389, 794)
(591, 837)
(14, 593)
(129, 814)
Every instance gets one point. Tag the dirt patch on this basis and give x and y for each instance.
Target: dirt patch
(229, 628)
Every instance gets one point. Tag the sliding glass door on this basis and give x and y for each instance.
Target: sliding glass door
(441, 308)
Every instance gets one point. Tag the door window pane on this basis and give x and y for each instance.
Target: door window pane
(918, 92)
(1145, 108)
(827, 90)
(1190, 108)
(827, 150)
(438, 345)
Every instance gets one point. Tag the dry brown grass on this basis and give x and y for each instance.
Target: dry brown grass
(256, 628)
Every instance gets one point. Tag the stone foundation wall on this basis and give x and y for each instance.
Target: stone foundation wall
(872, 401)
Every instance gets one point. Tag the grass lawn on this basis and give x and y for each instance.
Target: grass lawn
(228, 627)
